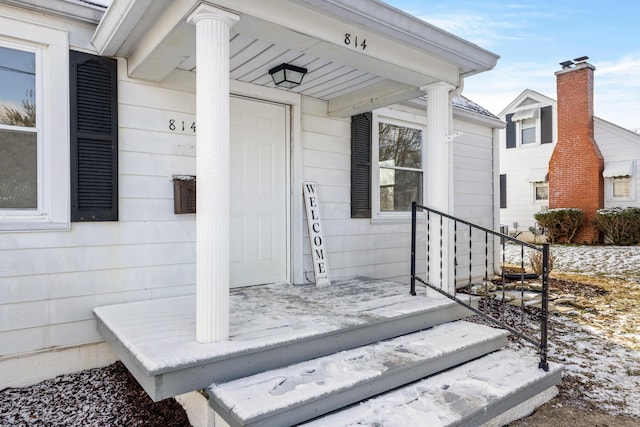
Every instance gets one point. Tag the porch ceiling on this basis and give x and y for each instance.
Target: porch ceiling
(402, 53)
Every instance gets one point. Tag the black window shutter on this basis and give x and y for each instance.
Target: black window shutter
(511, 132)
(546, 122)
(94, 137)
(361, 165)
(503, 191)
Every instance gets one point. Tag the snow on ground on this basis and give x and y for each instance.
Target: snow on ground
(598, 374)
(608, 261)
(602, 372)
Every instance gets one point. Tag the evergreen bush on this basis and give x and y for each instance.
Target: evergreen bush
(561, 224)
(621, 226)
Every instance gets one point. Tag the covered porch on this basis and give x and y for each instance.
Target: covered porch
(359, 56)
(305, 353)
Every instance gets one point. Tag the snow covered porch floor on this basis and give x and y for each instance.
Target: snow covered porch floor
(271, 326)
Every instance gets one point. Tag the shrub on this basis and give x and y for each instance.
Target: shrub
(620, 226)
(561, 224)
(536, 262)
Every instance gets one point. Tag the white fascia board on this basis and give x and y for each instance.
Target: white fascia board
(461, 114)
(116, 25)
(400, 26)
(479, 119)
(73, 9)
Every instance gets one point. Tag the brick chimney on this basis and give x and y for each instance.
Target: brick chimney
(575, 168)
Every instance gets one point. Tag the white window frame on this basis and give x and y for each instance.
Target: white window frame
(397, 118)
(37, 52)
(535, 126)
(537, 185)
(538, 127)
(621, 180)
(50, 44)
(609, 183)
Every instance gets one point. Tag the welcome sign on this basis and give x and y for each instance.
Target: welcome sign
(316, 237)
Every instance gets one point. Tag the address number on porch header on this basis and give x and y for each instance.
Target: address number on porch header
(354, 41)
(182, 126)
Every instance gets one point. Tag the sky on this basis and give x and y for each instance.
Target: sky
(533, 37)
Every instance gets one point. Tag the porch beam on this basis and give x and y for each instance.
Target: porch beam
(165, 45)
(376, 96)
(439, 179)
(212, 168)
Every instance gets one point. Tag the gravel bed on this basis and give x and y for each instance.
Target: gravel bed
(96, 397)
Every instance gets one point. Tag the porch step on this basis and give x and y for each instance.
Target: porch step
(271, 326)
(306, 390)
(491, 391)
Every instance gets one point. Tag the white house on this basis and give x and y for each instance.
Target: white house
(528, 142)
(129, 103)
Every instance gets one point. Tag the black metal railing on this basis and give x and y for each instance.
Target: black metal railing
(489, 299)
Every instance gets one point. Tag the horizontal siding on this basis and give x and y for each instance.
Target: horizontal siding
(380, 249)
(617, 144)
(474, 201)
(516, 164)
(50, 282)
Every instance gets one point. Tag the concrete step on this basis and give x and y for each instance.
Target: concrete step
(491, 391)
(306, 390)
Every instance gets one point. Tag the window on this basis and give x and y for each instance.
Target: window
(400, 166)
(622, 186)
(541, 191)
(387, 164)
(503, 191)
(34, 129)
(619, 180)
(528, 131)
(18, 130)
(529, 125)
(539, 178)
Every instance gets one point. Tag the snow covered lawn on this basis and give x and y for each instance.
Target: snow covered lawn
(600, 345)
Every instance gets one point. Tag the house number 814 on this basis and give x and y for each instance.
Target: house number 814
(352, 40)
(175, 125)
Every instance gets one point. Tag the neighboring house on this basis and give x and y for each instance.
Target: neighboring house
(110, 113)
(589, 175)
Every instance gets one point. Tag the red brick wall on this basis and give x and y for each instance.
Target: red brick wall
(575, 168)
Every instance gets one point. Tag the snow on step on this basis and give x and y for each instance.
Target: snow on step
(308, 389)
(469, 395)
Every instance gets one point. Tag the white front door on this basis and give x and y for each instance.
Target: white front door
(259, 188)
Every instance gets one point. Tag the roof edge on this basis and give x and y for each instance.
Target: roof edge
(392, 22)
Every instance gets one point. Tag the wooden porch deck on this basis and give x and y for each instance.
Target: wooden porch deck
(270, 326)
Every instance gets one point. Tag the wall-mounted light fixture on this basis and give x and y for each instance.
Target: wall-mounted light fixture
(287, 75)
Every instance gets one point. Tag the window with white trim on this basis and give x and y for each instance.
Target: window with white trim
(528, 131)
(34, 126)
(19, 129)
(621, 186)
(619, 181)
(529, 125)
(541, 191)
(398, 163)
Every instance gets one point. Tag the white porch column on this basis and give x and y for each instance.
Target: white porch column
(439, 185)
(212, 169)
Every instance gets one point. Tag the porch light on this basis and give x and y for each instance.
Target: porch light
(287, 75)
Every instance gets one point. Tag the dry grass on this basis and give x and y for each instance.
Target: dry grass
(615, 311)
